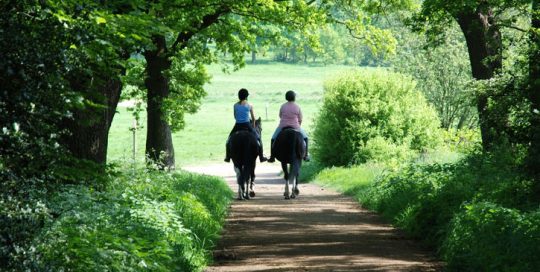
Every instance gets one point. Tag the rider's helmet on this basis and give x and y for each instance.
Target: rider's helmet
(290, 95)
(243, 94)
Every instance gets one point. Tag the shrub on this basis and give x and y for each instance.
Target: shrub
(423, 199)
(462, 140)
(420, 199)
(488, 237)
(372, 115)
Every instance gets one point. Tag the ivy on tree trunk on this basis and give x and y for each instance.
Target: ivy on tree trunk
(89, 130)
(484, 45)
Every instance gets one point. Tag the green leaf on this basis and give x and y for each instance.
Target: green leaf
(101, 20)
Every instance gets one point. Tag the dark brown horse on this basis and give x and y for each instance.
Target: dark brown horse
(289, 150)
(244, 151)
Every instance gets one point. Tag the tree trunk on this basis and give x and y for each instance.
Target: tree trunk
(484, 45)
(306, 48)
(294, 58)
(534, 92)
(159, 146)
(89, 129)
(253, 56)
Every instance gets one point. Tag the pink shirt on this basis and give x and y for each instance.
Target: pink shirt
(291, 115)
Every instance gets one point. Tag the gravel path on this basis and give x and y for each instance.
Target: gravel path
(321, 230)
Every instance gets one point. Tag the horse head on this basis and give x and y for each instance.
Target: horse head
(258, 125)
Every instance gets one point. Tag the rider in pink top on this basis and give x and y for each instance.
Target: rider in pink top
(290, 116)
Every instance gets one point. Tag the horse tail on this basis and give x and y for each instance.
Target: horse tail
(300, 147)
(245, 161)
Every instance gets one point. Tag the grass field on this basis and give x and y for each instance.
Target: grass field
(203, 139)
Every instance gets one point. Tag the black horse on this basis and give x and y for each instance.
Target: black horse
(244, 151)
(289, 150)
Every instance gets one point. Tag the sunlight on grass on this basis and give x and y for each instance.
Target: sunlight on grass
(203, 138)
(352, 181)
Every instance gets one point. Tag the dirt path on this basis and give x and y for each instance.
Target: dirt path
(319, 231)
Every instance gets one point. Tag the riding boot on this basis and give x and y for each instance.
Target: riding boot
(262, 158)
(306, 156)
(272, 158)
(227, 153)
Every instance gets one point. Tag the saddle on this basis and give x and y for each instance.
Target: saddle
(289, 128)
(281, 140)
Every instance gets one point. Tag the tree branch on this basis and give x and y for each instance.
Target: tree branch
(510, 26)
(351, 31)
(208, 20)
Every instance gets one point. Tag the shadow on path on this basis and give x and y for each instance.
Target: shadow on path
(319, 231)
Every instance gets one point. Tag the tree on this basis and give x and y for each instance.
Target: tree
(48, 83)
(231, 27)
(102, 39)
(227, 26)
(443, 74)
(534, 91)
(480, 22)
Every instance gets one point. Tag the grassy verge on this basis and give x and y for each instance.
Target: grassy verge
(144, 221)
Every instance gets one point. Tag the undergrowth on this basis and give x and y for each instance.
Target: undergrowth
(147, 220)
(479, 212)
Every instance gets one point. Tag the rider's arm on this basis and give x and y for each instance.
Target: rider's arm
(299, 116)
(252, 115)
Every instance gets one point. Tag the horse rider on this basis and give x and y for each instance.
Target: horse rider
(242, 113)
(290, 115)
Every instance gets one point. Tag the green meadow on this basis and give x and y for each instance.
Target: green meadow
(203, 138)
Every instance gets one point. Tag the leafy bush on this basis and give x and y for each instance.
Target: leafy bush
(499, 231)
(488, 237)
(151, 221)
(420, 198)
(372, 115)
(462, 140)
(424, 198)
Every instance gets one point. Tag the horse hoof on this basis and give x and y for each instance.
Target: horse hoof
(296, 191)
(293, 196)
(287, 197)
(252, 194)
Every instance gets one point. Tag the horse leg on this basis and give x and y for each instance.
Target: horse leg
(293, 178)
(245, 181)
(297, 174)
(240, 182)
(251, 191)
(286, 173)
